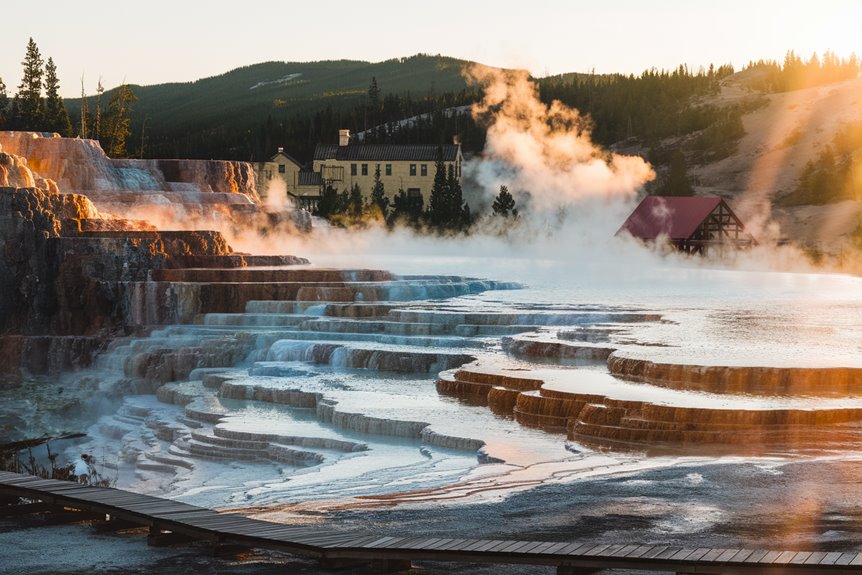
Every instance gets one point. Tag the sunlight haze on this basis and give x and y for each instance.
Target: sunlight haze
(184, 41)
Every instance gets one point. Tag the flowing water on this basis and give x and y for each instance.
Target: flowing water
(335, 404)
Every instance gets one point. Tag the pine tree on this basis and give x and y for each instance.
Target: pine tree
(405, 209)
(354, 203)
(30, 89)
(4, 104)
(439, 203)
(56, 116)
(458, 217)
(374, 100)
(677, 182)
(378, 193)
(329, 204)
(118, 121)
(504, 204)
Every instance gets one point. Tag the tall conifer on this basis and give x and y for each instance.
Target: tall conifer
(30, 89)
(56, 116)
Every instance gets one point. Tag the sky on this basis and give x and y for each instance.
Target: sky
(184, 40)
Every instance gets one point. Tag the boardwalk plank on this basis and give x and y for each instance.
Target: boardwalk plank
(597, 550)
(543, 548)
(626, 549)
(609, 552)
(698, 554)
(783, 558)
(815, 558)
(668, 553)
(756, 556)
(740, 557)
(770, 556)
(500, 546)
(168, 515)
(654, 552)
(830, 558)
(713, 554)
(555, 548)
(485, 544)
(799, 558)
(681, 554)
(576, 548)
(845, 558)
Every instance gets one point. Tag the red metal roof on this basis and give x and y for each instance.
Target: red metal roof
(671, 216)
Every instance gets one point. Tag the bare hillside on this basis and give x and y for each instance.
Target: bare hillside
(782, 135)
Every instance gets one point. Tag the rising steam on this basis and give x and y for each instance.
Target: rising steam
(545, 151)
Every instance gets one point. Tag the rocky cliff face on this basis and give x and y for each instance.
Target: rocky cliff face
(72, 275)
(81, 166)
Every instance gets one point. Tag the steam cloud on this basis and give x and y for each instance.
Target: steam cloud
(545, 150)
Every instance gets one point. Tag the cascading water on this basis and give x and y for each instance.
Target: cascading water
(339, 401)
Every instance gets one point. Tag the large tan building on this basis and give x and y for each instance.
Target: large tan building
(402, 166)
(283, 174)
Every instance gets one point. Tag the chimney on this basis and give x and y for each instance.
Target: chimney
(456, 139)
(343, 137)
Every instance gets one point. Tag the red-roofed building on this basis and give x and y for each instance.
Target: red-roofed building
(692, 224)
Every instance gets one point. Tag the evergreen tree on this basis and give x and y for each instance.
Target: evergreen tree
(30, 90)
(4, 104)
(329, 204)
(374, 100)
(355, 201)
(677, 182)
(405, 209)
(504, 204)
(56, 116)
(378, 193)
(118, 121)
(459, 212)
(439, 214)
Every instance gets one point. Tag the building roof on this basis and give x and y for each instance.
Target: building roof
(285, 155)
(385, 152)
(672, 216)
(308, 178)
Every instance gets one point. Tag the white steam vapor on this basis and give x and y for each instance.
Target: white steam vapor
(543, 150)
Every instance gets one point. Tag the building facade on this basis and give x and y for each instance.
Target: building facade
(283, 174)
(409, 167)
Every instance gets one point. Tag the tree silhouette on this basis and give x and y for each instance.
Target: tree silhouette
(56, 116)
(30, 90)
(677, 182)
(378, 193)
(504, 204)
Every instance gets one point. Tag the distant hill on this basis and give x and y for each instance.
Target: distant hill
(246, 97)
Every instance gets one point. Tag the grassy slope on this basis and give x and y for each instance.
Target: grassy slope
(227, 100)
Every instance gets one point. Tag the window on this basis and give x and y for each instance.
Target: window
(424, 169)
(364, 169)
(388, 169)
(352, 169)
(412, 169)
(281, 168)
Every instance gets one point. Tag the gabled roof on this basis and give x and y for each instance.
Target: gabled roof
(385, 152)
(672, 216)
(286, 156)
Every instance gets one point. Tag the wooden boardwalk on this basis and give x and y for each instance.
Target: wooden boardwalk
(389, 553)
